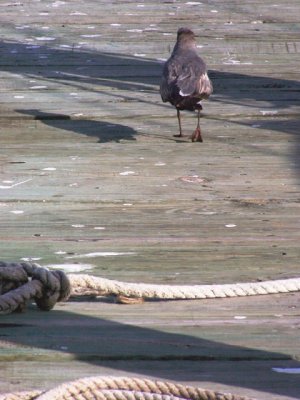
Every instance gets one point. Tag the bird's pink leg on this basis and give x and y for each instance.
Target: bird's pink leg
(196, 136)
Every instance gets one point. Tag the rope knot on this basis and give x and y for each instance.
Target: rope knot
(21, 282)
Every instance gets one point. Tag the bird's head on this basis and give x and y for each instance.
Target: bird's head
(185, 34)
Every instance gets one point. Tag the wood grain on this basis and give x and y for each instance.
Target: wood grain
(92, 179)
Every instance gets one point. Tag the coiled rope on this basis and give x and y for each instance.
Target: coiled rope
(122, 388)
(23, 282)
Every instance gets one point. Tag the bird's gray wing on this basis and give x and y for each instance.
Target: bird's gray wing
(168, 80)
(165, 91)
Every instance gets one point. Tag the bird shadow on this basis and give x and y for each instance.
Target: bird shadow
(102, 130)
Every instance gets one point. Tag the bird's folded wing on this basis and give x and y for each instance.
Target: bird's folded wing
(193, 80)
(189, 79)
(165, 89)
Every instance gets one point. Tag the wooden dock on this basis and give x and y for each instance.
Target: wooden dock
(93, 181)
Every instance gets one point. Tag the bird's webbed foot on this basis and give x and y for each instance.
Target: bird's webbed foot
(196, 136)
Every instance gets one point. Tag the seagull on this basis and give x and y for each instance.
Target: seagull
(184, 80)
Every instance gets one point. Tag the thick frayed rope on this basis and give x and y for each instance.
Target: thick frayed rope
(86, 284)
(22, 282)
(122, 388)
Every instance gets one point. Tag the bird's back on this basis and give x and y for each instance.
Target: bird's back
(184, 80)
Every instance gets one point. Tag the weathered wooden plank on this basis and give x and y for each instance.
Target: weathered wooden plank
(93, 180)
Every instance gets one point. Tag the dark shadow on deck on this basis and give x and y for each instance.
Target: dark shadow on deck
(78, 68)
(114, 345)
(82, 68)
(103, 131)
(236, 88)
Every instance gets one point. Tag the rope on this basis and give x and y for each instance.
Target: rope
(22, 282)
(86, 284)
(122, 388)
(45, 287)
